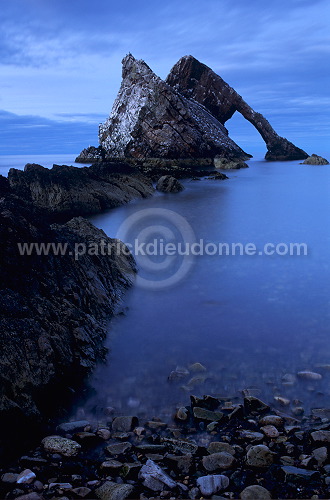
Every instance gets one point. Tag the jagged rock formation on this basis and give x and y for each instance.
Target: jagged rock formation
(53, 311)
(151, 119)
(197, 81)
(70, 191)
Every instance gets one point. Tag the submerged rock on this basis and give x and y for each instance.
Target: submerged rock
(197, 81)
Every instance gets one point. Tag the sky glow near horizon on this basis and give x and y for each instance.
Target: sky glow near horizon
(60, 64)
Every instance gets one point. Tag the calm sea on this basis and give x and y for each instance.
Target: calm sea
(249, 319)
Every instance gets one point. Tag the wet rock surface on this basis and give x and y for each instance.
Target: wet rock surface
(169, 461)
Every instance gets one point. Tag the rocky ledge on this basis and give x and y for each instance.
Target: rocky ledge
(212, 448)
(68, 191)
(54, 306)
(58, 286)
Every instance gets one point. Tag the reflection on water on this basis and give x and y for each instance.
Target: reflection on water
(248, 319)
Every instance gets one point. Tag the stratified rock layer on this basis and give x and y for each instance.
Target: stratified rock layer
(151, 119)
(197, 81)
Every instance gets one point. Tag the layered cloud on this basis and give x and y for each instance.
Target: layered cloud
(60, 60)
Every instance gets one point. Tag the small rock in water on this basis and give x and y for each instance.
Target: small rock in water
(315, 160)
(26, 477)
(182, 413)
(209, 485)
(82, 492)
(169, 184)
(197, 368)
(298, 411)
(307, 375)
(289, 379)
(178, 374)
(282, 401)
(133, 402)
(255, 492)
(58, 444)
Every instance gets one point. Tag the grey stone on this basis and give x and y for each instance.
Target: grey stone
(221, 460)
(274, 420)
(124, 424)
(218, 446)
(307, 375)
(254, 405)
(26, 477)
(182, 445)
(255, 492)
(209, 485)
(320, 455)
(113, 491)
(9, 477)
(321, 436)
(154, 478)
(293, 474)
(82, 492)
(169, 184)
(118, 448)
(259, 456)
(72, 427)
(203, 414)
(315, 160)
(58, 444)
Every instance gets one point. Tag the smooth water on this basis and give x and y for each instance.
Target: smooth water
(19, 161)
(248, 319)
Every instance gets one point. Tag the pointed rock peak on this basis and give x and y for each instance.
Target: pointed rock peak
(133, 67)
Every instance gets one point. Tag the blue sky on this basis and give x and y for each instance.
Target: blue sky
(60, 64)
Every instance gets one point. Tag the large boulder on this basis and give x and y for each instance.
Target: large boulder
(197, 81)
(150, 118)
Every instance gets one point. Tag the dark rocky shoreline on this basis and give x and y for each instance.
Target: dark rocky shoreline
(211, 449)
(55, 307)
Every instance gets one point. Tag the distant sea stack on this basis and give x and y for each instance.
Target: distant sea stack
(181, 118)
